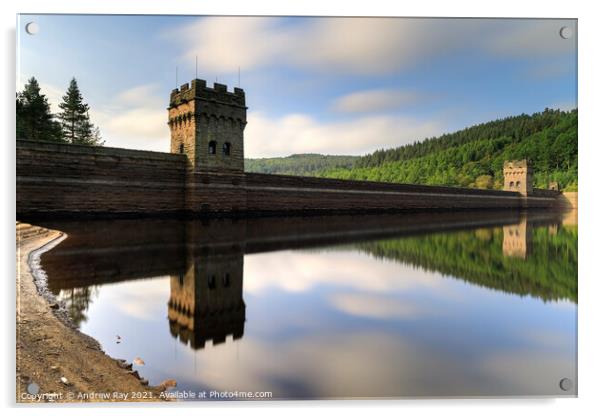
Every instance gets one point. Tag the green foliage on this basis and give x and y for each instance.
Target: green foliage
(75, 120)
(464, 158)
(308, 164)
(34, 119)
(549, 272)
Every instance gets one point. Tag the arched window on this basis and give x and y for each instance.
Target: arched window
(181, 148)
(211, 282)
(212, 147)
(512, 184)
(518, 184)
(226, 149)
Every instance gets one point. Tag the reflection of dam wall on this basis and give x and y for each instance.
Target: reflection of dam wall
(97, 252)
(206, 301)
(103, 251)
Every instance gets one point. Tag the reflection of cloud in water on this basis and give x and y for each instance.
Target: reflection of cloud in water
(135, 298)
(371, 306)
(547, 339)
(372, 364)
(528, 372)
(301, 271)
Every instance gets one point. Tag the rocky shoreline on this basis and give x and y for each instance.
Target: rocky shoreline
(55, 362)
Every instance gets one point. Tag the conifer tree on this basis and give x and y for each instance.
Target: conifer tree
(75, 120)
(34, 119)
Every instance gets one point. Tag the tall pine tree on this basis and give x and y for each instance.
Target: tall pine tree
(75, 120)
(34, 119)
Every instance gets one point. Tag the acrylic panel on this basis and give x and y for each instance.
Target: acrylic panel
(285, 208)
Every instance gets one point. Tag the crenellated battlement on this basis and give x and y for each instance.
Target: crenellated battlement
(516, 164)
(198, 89)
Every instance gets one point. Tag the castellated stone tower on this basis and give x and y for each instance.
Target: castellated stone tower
(207, 125)
(518, 177)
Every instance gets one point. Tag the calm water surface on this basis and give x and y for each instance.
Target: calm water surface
(479, 304)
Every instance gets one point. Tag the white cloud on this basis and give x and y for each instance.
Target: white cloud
(301, 133)
(225, 43)
(379, 307)
(141, 95)
(375, 100)
(135, 119)
(359, 45)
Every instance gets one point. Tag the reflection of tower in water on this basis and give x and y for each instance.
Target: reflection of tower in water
(206, 301)
(518, 239)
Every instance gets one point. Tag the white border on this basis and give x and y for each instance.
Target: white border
(589, 155)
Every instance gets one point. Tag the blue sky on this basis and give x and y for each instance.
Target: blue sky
(327, 85)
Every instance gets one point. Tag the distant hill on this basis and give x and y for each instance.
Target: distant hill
(472, 157)
(307, 164)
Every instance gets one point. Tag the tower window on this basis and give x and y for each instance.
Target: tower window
(512, 184)
(211, 282)
(181, 148)
(226, 149)
(212, 147)
(518, 184)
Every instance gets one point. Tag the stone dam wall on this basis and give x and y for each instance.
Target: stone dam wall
(63, 179)
(72, 180)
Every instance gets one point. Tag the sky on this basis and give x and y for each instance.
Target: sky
(345, 86)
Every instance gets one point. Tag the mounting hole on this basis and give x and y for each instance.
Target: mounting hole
(32, 28)
(33, 388)
(566, 32)
(566, 384)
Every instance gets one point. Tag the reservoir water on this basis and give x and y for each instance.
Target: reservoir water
(412, 305)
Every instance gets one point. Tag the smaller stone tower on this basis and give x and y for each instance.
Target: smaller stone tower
(518, 177)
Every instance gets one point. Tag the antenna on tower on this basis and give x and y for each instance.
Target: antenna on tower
(196, 67)
(176, 76)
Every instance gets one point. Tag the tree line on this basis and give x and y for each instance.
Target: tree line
(72, 124)
(306, 164)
